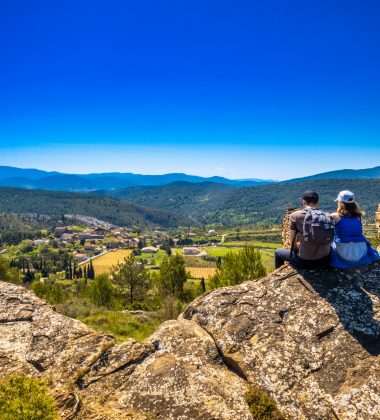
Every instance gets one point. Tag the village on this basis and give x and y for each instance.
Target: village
(65, 250)
(98, 240)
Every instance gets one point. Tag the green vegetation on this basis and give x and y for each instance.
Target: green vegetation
(57, 203)
(257, 205)
(262, 406)
(104, 303)
(237, 267)
(121, 325)
(14, 229)
(23, 398)
(53, 293)
(101, 292)
(7, 273)
(133, 278)
(172, 277)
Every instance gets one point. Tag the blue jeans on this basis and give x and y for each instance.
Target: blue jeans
(281, 255)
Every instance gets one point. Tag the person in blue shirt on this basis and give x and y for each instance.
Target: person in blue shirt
(350, 248)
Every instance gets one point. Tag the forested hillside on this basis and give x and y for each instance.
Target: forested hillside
(14, 229)
(55, 203)
(183, 203)
(216, 203)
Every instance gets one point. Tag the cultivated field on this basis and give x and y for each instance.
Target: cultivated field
(199, 272)
(104, 263)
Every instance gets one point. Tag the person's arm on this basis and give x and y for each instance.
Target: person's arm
(335, 217)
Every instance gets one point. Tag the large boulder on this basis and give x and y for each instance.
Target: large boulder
(311, 339)
(177, 373)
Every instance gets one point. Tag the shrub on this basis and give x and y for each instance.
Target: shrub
(262, 406)
(237, 267)
(7, 273)
(77, 307)
(25, 398)
(101, 291)
(52, 293)
(172, 276)
(120, 325)
(171, 308)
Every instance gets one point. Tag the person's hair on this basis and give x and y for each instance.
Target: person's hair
(349, 209)
(310, 197)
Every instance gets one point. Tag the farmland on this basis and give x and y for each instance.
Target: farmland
(105, 262)
(199, 272)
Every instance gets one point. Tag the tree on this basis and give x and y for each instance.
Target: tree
(166, 247)
(203, 285)
(133, 278)
(219, 262)
(7, 273)
(102, 291)
(238, 267)
(90, 271)
(26, 246)
(172, 276)
(29, 276)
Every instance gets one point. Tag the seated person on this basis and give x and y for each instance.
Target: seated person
(303, 254)
(350, 248)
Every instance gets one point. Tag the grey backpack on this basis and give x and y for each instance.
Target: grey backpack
(318, 227)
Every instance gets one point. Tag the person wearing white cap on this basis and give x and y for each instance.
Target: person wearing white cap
(350, 248)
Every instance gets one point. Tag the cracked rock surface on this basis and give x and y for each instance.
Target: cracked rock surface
(177, 373)
(311, 339)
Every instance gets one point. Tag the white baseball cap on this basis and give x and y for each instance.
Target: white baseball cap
(345, 196)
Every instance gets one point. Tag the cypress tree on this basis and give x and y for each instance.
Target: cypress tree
(203, 285)
(90, 271)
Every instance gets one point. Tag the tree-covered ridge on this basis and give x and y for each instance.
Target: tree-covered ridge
(56, 203)
(244, 206)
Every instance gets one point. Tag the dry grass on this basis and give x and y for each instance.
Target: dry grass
(104, 263)
(199, 272)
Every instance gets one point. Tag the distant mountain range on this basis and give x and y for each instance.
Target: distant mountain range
(343, 174)
(38, 179)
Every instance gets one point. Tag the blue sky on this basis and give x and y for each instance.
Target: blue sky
(264, 89)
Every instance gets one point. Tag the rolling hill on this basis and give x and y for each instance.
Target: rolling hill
(343, 174)
(221, 204)
(57, 203)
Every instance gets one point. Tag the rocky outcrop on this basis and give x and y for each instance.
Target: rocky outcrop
(377, 218)
(178, 373)
(311, 339)
(285, 228)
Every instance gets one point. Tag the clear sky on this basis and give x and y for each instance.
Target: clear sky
(242, 89)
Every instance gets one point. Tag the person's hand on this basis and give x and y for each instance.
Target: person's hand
(298, 244)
